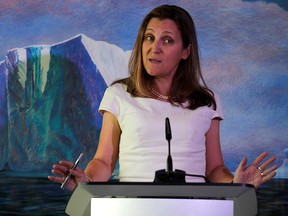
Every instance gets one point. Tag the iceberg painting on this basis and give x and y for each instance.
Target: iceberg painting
(53, 95)
(49, 102)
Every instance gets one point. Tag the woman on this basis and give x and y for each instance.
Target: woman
(165, 81)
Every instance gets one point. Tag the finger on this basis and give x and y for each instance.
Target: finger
(264, 165)
(68, 164)
(242, 164)
(56, 179)
(70, 185)
(58, 172)
(268, 177)
(270, 170)
(77, 173)
(259, 159)
(63, 166)
(60, 168)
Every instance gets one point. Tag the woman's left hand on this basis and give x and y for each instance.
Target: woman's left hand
(257, 173)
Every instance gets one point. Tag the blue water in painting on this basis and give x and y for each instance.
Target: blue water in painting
(39, 196)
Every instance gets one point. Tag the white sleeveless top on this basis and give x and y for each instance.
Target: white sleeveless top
(143, 147)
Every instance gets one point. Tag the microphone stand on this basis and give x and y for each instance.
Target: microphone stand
(168, 175)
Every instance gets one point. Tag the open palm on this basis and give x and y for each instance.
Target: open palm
(256, 173)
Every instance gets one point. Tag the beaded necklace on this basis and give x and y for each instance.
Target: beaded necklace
(157, 94)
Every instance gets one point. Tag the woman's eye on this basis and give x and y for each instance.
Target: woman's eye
(149, 38)
(168, 41)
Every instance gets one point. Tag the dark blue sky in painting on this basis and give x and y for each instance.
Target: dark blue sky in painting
(243, 45)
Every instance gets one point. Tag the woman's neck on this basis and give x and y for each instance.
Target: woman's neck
(160, 89)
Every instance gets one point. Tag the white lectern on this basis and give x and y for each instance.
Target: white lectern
(149, 199)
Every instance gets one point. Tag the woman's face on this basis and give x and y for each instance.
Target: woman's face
(162, 48)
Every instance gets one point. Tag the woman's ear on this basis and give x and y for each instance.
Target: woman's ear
(186, 52)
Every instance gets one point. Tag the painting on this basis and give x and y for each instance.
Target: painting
(58, 57)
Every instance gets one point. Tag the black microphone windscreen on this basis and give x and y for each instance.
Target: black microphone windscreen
(168, 130)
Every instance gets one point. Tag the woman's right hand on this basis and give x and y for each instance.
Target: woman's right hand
(63, 169)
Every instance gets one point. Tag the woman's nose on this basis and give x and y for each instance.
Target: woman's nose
(156, 48)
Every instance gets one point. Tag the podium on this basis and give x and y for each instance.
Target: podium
(149, 199)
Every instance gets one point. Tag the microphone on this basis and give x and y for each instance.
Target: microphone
(168, 175)
(168, 130)
(168, 138)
